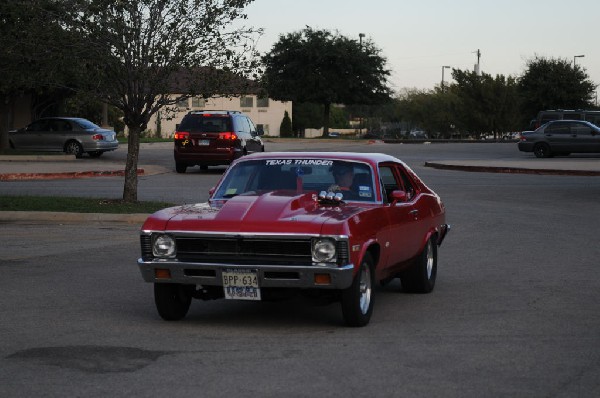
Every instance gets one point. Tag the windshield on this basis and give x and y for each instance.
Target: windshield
(253, 177)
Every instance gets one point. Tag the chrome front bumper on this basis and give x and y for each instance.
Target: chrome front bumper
(285, 276)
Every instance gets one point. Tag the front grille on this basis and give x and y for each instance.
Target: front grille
(146, 244)
(244, 250)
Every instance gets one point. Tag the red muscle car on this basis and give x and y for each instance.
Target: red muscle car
(329, 225)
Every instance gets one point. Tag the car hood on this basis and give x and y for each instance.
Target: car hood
(272, 212)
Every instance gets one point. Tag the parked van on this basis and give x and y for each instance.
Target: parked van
(544, 117)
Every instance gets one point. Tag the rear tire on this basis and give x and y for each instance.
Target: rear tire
(180, 167)
(421, 277)
(74, 148)
(357, 300)
(172, 300)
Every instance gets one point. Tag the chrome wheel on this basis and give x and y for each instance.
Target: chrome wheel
(430, 259)
(357, 300)
(365, 290)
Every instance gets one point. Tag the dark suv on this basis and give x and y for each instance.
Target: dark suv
(212, 138)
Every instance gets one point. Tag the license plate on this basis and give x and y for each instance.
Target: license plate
(241, 284)
(204, 142)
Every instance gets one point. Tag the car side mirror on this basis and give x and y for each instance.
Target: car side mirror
(177, 127)
(211, 192)
(398, 196)
(260, 130)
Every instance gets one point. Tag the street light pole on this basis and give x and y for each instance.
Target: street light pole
(444, 67)
(360, 119)
(575, 59)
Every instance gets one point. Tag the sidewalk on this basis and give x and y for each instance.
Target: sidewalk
(554, 166)
(52, 167)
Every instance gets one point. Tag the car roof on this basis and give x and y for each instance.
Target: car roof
(372, 158)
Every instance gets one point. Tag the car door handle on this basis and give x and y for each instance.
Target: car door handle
(414, 212)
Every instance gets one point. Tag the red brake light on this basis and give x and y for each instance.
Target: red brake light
(228, 136)
(182, 135)
(97, 137)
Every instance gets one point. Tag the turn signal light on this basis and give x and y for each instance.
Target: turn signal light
(160, 273)
(322, 279)
(182, 135)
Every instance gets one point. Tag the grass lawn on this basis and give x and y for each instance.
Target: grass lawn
(77, 205)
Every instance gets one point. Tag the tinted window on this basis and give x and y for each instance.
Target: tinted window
(59, 125)
(206, 124)
(580, 129)
(40, 125)
(558, 128)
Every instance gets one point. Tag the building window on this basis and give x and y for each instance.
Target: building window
(262, 102)
(183, 103)
(198, 102)
(246, 102)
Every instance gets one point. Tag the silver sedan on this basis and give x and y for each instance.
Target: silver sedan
(64, 134)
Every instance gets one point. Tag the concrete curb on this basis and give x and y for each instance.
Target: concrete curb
(511, 170)
(59, 217)
(62, 175)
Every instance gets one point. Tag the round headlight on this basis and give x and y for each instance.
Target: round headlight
(324, 250)
(164, 246)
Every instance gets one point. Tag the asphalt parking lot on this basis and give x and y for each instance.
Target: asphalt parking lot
(514, 312)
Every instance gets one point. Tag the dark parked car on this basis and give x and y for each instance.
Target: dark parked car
(71, 135)
(325, 225)
(561, 137)
(212, 138)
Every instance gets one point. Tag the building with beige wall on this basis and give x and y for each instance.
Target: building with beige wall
(264, 112)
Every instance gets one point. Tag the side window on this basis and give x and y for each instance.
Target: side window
(252, 127)
(245, 126)
(580, 129)
(40, 125)
(409, 186)
(572, 116)
(388, 182)
(395, 178)
(558, 128)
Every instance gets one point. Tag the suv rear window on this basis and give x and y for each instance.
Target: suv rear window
(206, 124)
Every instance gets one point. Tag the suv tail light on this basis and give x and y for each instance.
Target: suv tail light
(227, 136)
(98, 137)
(182, 135)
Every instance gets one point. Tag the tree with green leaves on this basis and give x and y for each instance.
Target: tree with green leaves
(485, 104)
(321, 67)
(285, 129)
(554, 83)
(142, 51)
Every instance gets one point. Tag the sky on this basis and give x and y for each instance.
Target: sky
(419, 37)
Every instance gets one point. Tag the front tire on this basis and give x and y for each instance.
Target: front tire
(357, 300)
(421, 277)
(172, 300)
